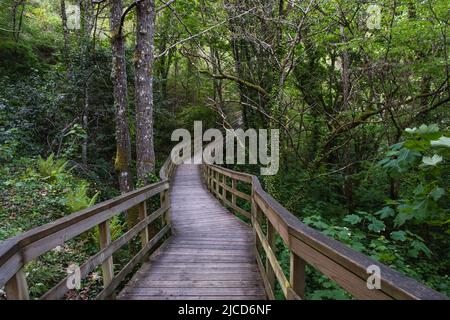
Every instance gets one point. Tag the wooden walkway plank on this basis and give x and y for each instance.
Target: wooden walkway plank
(210, 256)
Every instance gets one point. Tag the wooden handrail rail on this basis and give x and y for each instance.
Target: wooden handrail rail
(19, 250)
(345, 266)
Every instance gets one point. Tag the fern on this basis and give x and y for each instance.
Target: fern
(50, 168)
(78, 199)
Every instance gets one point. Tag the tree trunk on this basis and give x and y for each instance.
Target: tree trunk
(87, 22)
(145, 13)
(65, 35)
(345, 80)
(119, 78)
(17, 25)
(85, 123)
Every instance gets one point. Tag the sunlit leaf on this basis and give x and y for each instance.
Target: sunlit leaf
(442, 142)
(432, 161)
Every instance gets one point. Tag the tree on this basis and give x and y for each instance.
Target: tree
(119, 78)
(145, 154)
(65, 33)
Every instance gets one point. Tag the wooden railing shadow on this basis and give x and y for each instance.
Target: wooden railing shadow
(347, 267)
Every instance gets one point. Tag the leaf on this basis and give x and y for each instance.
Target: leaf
(424, 130)
(437, 193)
(418, 247)
(406, 155)
(405, 214)
(421, 209)
(377, 226)
(417, 145)
(352, 219)
(419, 190)
(385, 212)
(405, 159)
(433, 161)
(398, 235)
(442, 142)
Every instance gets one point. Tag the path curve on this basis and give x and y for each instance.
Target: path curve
(211, 255)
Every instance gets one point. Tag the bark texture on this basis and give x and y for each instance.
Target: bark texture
(65, 32)
(145, 154)
(119, 78)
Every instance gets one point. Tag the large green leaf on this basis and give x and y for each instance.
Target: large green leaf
(437, 193)
(418, 247)
(432, 161)
(442, 142)
(377, 226)
(417, 145)
(404, 214)
(385, 212)
(352, 219)
(429, 132)
(398, 235)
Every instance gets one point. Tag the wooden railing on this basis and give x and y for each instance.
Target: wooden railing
(16, 252)
(348, 268)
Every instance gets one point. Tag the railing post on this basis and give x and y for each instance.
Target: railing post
(142, 215)
(105, 240)
(256, 219)
(271, 240)
(253, 207)
(217, 180)
(219, 193)
(224, 188)
(216, 176)
(297, 275)
(233, 189)
(17, 288)
(213, 181)
(165, 201)
(210, 177)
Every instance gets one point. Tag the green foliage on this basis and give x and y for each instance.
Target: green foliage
(116, 227)
(38, 191)
(17, 58)
(51, 168)
(9, 143)
(34, 192)
(50, 268)
(78, 199)
(409, 233)
(396, 212)
(427, 157)
(189, 114)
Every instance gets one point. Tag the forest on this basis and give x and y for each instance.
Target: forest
(91, 91)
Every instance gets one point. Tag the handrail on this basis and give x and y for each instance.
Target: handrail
(19, 250)
(167, 168)
(345, 266)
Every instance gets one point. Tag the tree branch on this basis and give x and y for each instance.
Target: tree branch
(134, 4)
(248, 84)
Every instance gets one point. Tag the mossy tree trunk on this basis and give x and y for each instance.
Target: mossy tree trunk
(119, 77)
(145, 154)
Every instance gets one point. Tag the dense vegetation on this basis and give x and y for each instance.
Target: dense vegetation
(362, 109)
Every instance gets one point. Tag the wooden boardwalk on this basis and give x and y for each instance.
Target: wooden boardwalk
(210, 256)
